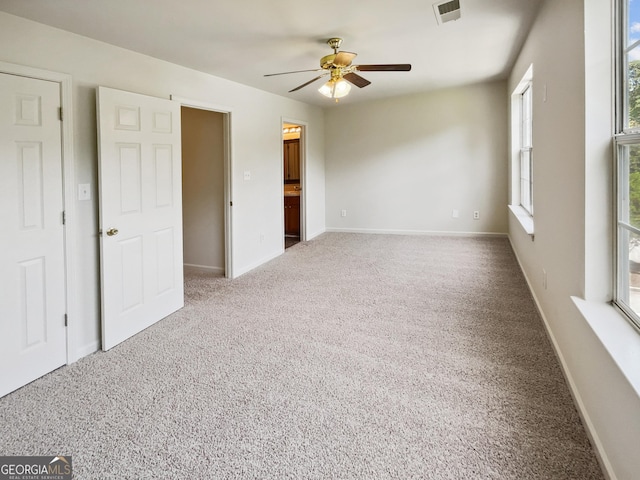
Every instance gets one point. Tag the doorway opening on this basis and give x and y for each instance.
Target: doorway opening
(204, 159)
(292, 137)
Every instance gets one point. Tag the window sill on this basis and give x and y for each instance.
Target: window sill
(617, 335)
(524, 218)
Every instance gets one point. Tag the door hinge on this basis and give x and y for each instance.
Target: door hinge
(60, 113)
(66, 320)
(64, 218)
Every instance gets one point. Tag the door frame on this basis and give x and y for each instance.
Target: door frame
(68, 181)
(228, 172)
(303, 173)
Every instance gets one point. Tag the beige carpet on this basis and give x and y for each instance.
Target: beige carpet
(350, 356)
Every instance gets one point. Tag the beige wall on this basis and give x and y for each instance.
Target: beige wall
(256, 147)
(570, 48)
(404, 164)
(203, 189)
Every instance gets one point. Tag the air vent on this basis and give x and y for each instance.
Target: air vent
(447, 11)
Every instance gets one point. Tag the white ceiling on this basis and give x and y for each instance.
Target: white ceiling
(241, 40)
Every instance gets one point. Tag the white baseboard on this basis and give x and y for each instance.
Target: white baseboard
(203, 269)
(87, 349)
(311, 236)
(414, 232)
(601, 455)
(241, 271)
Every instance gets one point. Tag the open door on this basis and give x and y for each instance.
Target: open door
(140, 193)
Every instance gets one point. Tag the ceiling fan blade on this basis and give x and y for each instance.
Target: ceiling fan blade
(295, 71)
(309, 82)
(356, 79)
(391, 67)
(344, 59)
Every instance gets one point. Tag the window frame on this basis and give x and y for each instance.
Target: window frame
(522, 213)
(624, 138)
(526, 147)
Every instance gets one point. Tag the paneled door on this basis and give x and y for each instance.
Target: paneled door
(32, 266)
(140, 195)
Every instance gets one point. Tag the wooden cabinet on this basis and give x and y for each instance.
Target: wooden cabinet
(292, 160)
(292, 215)
(292, 176)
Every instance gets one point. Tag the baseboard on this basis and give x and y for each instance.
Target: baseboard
(87, 349)
(414, 232)
(203, 269)
(311, 236)
(241, 271)
(601, 455)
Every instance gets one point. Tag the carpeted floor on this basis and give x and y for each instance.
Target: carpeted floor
(351, 356)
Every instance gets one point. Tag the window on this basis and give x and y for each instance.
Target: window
(522, 152)
(627, 149)
(525, 150)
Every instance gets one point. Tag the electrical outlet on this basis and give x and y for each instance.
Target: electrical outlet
(343, 213)
(476, 215)
(247, 175)
(455, 214)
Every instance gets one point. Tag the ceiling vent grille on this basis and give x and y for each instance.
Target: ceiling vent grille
(447, 11)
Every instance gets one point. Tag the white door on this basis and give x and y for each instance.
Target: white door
(32, 268)
(140, 212)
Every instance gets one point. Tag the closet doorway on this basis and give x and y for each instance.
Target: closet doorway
(203, 190)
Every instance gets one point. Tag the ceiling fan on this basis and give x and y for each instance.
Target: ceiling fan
(340, 68)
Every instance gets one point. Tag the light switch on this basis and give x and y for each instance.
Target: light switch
(84, 191)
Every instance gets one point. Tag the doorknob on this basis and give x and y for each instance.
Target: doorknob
(112, 231)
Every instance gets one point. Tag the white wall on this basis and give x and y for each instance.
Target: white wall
(256, 146)
(203, 199)
(404, 164)
(570, 48)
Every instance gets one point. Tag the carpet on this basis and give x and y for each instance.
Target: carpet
(350, 356)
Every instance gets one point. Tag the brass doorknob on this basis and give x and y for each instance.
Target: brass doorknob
(112, 231)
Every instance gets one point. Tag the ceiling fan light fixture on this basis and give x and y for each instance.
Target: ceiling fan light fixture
(340, 66)
(335, 88)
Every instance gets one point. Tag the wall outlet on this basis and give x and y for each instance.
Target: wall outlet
(476, 215)
(455, 214)
(247, 175)
(343, 213)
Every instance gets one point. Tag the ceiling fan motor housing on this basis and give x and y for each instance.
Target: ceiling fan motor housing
(326, 62)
